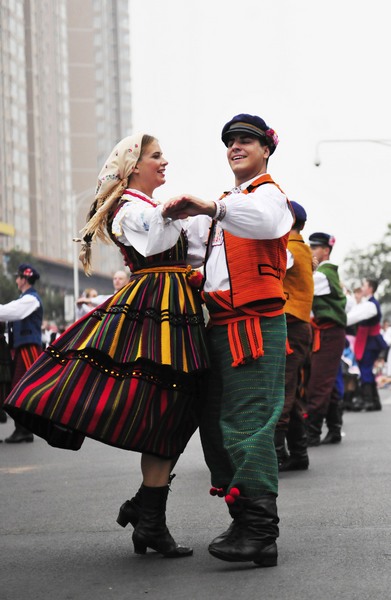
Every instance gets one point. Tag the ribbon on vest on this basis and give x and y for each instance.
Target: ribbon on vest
(361, 338)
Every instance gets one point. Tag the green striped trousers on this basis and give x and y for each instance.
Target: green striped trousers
(243, 406)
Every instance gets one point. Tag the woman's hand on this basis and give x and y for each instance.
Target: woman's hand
(186, 205)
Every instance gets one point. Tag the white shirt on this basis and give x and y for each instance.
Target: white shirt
(266, 216)
(141, 225)
(19, 309)
(361, 312)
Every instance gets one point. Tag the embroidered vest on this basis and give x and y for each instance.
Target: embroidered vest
(299, 281)
(28, 330)
(330, 307)
(256, 268)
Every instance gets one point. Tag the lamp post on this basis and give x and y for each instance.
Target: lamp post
(317, 161)
(77, 200)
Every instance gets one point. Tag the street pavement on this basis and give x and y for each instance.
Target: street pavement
(60, 541)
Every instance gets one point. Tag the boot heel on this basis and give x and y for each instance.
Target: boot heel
(139, 549)
(268, 557)
(122, 519)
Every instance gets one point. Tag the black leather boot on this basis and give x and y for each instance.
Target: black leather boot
(297, 445)
(253, 537)
(313, 425)
(130, 509)
(372, 401)
(334, 424)
(234, 510)
(151, 530)
(280, 446)
(20, 435)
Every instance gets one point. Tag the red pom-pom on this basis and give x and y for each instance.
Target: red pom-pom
(194, 277)
(214, 491)
(233, 494)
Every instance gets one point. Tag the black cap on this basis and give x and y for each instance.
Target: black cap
(321, 239)
(253, 125)
(299, 211)
(28, 272)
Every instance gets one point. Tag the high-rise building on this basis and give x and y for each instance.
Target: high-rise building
(100, 99)
(64, 102)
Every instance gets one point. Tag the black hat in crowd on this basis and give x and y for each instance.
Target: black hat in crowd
(252, 124)
(299, 211)
(28, 272)
(321, 239)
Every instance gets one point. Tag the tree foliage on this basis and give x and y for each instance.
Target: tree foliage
(374, 262)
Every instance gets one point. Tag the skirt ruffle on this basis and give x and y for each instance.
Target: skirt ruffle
(130, 373)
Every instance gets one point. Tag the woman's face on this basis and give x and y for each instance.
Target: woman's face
(149, 172)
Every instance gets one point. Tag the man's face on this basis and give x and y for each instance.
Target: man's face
(246, 157)
(20, 282)
(366, 289)
(321, 253)
(120, 279)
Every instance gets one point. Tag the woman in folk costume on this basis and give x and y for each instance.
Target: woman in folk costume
(131, 372)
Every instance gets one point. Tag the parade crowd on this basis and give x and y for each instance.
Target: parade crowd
(225, 319)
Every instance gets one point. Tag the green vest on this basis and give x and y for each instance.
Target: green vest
(330, 307)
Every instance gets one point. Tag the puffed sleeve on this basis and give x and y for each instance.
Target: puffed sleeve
(142, 226)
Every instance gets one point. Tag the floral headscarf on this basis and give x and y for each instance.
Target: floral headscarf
(112, 181)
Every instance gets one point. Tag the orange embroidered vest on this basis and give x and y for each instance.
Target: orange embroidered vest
(299, 280)
(257, 268)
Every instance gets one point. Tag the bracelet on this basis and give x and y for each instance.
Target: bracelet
(221, 209)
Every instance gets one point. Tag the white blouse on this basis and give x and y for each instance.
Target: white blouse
(266, 216)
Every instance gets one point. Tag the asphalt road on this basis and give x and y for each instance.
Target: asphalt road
(60, 541)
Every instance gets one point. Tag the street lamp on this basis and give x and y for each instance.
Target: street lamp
(77, 200)
(364, 141)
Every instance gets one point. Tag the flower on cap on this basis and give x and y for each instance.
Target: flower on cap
(272, 134)
(27, 272)
(332, 241)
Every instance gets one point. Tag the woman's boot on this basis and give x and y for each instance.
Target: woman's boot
(253, 538)
(151, 530)
(130, 509)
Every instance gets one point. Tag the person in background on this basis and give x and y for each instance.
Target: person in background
(132, 372)
(244, 271)
(24, 317)
(85, 303)
(369, 343)
(299, 291)
(5, 371)
(120, 280)
(328, 323)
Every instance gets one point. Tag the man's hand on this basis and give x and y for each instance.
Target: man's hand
(186, 205)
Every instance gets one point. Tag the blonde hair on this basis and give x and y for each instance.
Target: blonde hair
(123, 158)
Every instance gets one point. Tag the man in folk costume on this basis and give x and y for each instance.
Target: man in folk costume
(368, 343)
(329, 323)
(244, 271)
(24, 317)
(299, 290)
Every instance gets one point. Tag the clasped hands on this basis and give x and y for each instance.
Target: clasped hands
(185, 205)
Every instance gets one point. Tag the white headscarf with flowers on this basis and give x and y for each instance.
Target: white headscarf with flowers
(112, 181)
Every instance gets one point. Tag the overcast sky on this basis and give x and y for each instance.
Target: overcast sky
(313, 70)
